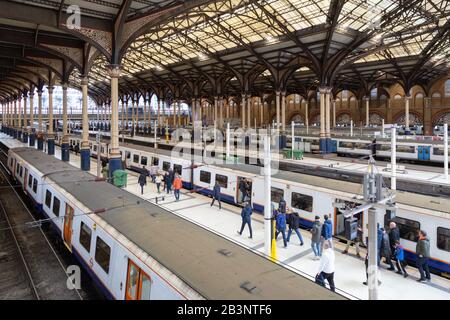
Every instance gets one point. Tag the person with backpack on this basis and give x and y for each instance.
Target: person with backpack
(293, 220)
(327, 231)
(281, 227)
(316, 232)
(399, 254)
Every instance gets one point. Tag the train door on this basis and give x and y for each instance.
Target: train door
(243, 190)
(127, 158)
(138, 283)
(424, 153)
(68, 220)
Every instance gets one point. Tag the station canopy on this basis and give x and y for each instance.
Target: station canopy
(204, 48)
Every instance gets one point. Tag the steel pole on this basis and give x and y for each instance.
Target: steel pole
(268, 201)
(446, 151)
(372, 269)
(393, 158)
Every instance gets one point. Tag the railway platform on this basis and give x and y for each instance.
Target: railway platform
(350, 270)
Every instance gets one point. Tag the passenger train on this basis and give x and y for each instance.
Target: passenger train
(136, 250)
(307, 195)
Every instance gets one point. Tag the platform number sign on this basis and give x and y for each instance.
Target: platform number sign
(73, 277)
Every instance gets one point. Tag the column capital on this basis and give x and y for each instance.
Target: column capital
(50, 89)
(65, 86)
(324, 90)
(365, 98)
(408, 97)
(114, 70)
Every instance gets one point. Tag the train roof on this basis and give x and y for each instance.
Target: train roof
(402, 197)
(215, 267)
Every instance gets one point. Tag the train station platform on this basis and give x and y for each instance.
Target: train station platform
(350, 270)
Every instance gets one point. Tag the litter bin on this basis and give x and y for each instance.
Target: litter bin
(120, 178)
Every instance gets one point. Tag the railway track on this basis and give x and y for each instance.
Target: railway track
(30, 267)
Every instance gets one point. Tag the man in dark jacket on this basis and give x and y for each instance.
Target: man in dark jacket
(394, 235)
(423, 254)
(281, 227)
(246, 214)
(168, 182)
(216, 195)
(243, 189)
(327, 230)
(386, 250)
(143, 179)
(316, 232)
(293, 221)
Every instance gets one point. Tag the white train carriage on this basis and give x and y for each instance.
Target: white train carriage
(134, 250)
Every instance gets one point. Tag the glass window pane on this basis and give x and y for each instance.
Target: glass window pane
(136, 158)
(102, 254)
(277, 194)
(443, 239)
(132, 281)
(205, 176)
(222, 180)
(144, 160)
(409, 229)
(56, 205)
(30, 180)
(34, 185)
(177, 168)
(166, 166)
(302, 202)
(48, 198)
(85, 236)
(145, 287)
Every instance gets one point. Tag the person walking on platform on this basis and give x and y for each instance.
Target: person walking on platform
(423, 254)
(142, 180)
(158, 180)
(386, 250)
(327, 231)
(216, 195)
(171, 175)
(327, 267)
(293, 220)
(282, 205)
(246, 214)
(177, 184)
(167, 182)
(280, 219)
(394, 235)
(153, 172)
(105, 171)
(400, 259)
(316, 232)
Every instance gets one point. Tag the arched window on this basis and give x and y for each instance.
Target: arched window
(447, 88)
(383, 97)
(374, 93)
(419, 96)
(397, 97)
(344, 95)
(436, 95)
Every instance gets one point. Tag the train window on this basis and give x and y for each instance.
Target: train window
(384, 147)
(21, 171)
(17, 169)
(222, 180)
(439, 151)
(102, 254)
(344, 144)
(146, 284)
(128, 154)
(144, 161)
(135, 158)
(205, 176)
(155, 161)
(302, 202)
(166, 166)
(34, 185)
(409, 229)
(85, 236)
(443, 239)
(178, 168)
(30, 180)
(406, 149)
(364, 146)
(95, 148)
(277, 194)
(48, 198)
(56, 206)
(102, 150)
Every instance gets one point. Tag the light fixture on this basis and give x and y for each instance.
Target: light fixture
(202, 56)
